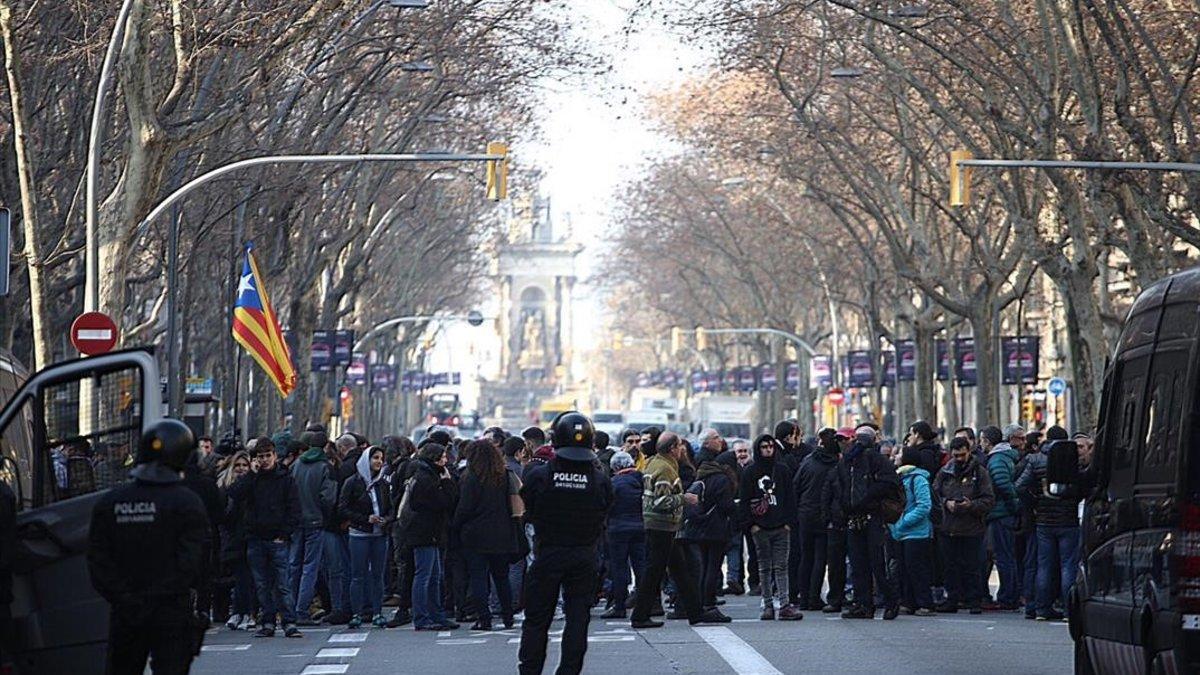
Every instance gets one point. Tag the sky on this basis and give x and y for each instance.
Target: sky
(595, 136)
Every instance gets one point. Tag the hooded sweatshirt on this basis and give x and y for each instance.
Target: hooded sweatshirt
(809, 485)
(316, 488)
(1001, 466)
(768, 498)
(363, 496)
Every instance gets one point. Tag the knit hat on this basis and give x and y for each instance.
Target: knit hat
(620, 460)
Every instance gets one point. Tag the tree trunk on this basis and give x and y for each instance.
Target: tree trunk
(29, 202)
(987, 407)
(1085, 336)
(924, 398)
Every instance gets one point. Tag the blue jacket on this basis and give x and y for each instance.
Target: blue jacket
(1001, 464)
(625, 516)
(915, 523)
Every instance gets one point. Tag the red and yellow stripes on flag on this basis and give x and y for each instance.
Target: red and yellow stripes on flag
(257, 330)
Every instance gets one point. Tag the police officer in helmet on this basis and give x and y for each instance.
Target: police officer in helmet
(567, 500)
(145, 555)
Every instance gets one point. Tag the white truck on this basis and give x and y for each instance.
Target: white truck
(731, 416)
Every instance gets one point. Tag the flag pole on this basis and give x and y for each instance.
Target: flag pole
(237, 390)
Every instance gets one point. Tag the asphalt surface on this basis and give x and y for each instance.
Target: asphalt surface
(993, 643)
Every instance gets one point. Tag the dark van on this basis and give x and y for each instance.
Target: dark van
(1136, 605)
(67, 434)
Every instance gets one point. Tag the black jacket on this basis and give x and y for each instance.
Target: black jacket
(972, 482)
(269, 503)
(809, 485)
(931, 456)
(147, 543)
(433, 500)
(567, 502)
(354, 504)
(482, 518)
(712, 519)
(767, 498)
(233, 531)
(862, 479)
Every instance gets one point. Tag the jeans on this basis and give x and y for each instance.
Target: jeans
(305, 565)
(868, 567)
(626, 550)
(243, 588)
(916, 570)
(368, 555)
(481, 566)
(427, 587)
(662, 553)
(734, 570)
(1003, 538)
(795, 552)
(836, 555)
(814, 544)
(336, 564)
(964, 582)
(1057, 551)
(573, 570)
(269, 565)
(712, 553)
(1029, 578)
(773, 546)
(751, 558)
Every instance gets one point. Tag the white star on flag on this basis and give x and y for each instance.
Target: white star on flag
(246, 285)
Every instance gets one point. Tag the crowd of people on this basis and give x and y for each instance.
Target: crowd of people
(318, 530)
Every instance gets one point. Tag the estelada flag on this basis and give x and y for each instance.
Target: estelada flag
(256, 328)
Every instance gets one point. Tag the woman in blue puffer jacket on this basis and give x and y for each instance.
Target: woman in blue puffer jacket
(914, 535)
(626, 534)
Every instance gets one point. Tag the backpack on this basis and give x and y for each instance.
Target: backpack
(404, 512)
(892, 506)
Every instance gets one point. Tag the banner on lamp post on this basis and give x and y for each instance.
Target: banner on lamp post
(906, 356)
(889, 369)
(820, 372)
(965, 367)
(1020, 359)
(861, 372)
(942, 357)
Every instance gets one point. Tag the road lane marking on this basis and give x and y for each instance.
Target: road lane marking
(741, 657)
(348, 637)
(463, 641)
(224, 648)
(326, 670)
(338, 653)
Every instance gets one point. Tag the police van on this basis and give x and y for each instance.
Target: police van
(67, 434)
(1135, 607)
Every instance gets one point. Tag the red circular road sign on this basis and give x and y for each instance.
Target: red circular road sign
(837, 396)
(93, 333)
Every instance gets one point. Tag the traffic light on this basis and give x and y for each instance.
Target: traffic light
(676, 339)
(497, 172)
(960, 178)
(701, 339)
(617, 342)
(1027, 407)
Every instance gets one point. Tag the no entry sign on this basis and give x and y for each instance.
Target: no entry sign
(93, 333)
(837, 396)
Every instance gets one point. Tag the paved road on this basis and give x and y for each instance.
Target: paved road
(994, 643)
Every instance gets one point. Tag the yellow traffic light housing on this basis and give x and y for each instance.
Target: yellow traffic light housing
(618, 342)
(701, 339)
(497, 172)
(676, 339)
(960, 178)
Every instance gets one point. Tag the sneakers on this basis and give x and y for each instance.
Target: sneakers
(247, 623)
(1049, 616)
(923, 611)
(768, 613)
(831, 609)
(482, 624)
(380, 621)
(354, 622)
(292, 631)
(234, 622)
(790, 613)
(711, 616)
(265, 631)
(400, 618)
(735, 588)
(1031, 615)
(890, 613)
(647, 623)
(614, 613)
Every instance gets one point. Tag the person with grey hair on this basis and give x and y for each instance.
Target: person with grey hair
(348, 453)
(626, 539)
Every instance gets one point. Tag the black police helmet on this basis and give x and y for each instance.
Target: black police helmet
(168, 442)
(571, 430)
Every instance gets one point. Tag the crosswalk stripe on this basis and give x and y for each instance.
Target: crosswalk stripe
(348, 637)
(326, 670)
(741, 657)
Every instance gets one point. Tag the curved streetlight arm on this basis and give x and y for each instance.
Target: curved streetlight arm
(216, 173)
(406, 319)
(792, 337)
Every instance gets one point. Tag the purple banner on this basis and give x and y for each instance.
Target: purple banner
(791, 378)
(343, 342)
(906, 351)
(889, 369)
(942, 356)
(861, 372)
(729, 380)
(766, 375)
(964, 362)
(746, 382)
(642, 380)
(699, 382)
(820, 375)
(383, 377)
(322, 351)
(356, 372)
(1020, 359)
